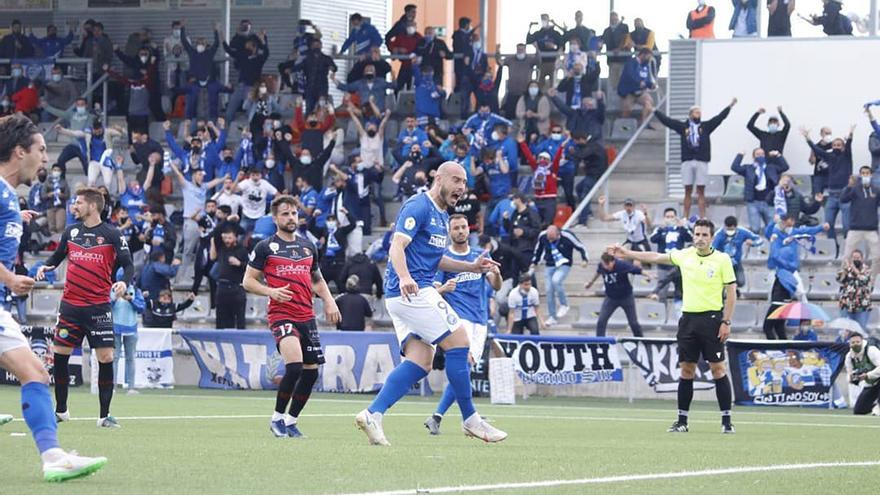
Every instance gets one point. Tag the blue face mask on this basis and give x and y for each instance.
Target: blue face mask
(762, 160)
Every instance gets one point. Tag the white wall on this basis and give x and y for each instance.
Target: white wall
(818, 82)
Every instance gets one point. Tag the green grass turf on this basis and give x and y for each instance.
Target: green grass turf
(550, 439)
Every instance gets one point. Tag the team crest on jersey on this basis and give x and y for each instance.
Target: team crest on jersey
(274, 247)
(74, 232)
(409, 223)
(99, 240)
(307, 251)
(710, 273)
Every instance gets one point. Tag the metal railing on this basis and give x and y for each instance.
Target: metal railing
(603, 180)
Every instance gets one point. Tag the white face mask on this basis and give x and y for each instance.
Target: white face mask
(410, 30)
(575, 49)
(175, 33)
(56, 175)
(495, 136)
(331, 225)
(16, 72)
(305, 160)
(520, 56)
(825, 139)
(270, 164)
(773, 127)
(361, 166)
(263, 90)
(730, 232)
(866, 181)
(533, 91)
(545, 24)
(144, 59)
(200, 48)
(478, 45)
(56, 77)
(701, 3)
(556, 136)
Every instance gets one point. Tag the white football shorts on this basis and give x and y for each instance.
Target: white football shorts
(426, 316)
(10, 333)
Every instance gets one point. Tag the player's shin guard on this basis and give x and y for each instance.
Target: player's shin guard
(722, 392)
(292, 372)
(396, 386)
(303, 391)
(685, 396)
(105, 387)
(446, 400)
(61, 372)
(36, 407)
(458, 371)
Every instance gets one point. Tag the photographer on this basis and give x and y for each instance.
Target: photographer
(863, 365)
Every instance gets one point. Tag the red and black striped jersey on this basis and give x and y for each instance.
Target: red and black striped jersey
(92, 253)
(287, 263)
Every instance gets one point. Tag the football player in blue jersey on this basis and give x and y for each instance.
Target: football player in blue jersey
(421, 318)
(466, 293)
(22, 152)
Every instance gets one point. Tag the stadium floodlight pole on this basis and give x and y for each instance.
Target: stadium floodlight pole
(227, 17)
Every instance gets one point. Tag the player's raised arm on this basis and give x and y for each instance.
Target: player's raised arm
(619, 251)
(479, 265)
(56, 258)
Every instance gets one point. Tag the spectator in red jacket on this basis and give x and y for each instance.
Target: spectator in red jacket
(27, 99)
(405, 43)
(544, 179)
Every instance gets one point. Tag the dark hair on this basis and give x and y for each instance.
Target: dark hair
(606, 258)
(730, 221)
(525, 277)
(283, 199)
(225, 209)
(705, 222)
(864, 167)
(578, 135)
(355, 17)
(157, 254)
(409, 6)
(485, 239)
(211, 201)
(487, 153)
(98, 25)
(457, 216)
(15, 131)
(520, 196)
(157, 210)
(463, 21)
(673, 210)
(93, 196)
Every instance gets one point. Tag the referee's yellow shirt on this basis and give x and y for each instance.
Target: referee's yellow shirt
(703, 278)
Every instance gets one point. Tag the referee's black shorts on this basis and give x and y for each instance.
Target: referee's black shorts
(698, 334)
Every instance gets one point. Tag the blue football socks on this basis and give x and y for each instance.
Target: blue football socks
(36, 407)
(446, 401)
(458, 372)
(397, 385)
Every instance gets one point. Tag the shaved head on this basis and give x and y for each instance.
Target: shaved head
(450, 184)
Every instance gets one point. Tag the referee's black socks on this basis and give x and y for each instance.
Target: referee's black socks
(685, 396)
(723, 393)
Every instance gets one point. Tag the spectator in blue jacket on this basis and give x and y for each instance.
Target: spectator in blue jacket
(370, 89)
(51, 46)
(731, 240)
(636, 82)
(744, 21)
(482, 123)
(840, 169)
(202, 73)
(476, 65)
(672, 235)
(864, 200)
(363, 36)
(500, 139)
(410, 135)
(495, 225)
(556, 248)
(157, 274)
(429, 95)
(125, 326)
(761, 178)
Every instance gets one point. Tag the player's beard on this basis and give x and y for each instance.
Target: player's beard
(287, 229)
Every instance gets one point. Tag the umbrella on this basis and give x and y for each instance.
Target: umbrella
(799, 311)
(846, 324)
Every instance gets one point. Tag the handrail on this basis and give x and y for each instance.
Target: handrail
(603, 180)
(85, 94)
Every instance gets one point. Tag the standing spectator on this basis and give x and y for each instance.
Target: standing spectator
(548, 42)
(594, 159)
(429, 94)
(317, 67)
(533, 113)
(701, 22)
(362, 35)
(581, 81)
(544, 179)
(556, 249)
(27, 100)
(779, 22)
(731, 240)
(618, 293)
(864, 199)
(643, 37)
(523, 311)
(409, 15)
(383, 68)
(636, 84)
(244, 34)
(52, 46)
(773, 139)
(618, 46)
(461, 48)
(54, 195)
(840, 168)
(519, 78)
(369, 279)
(143, 66)
(524, 225)
(635, 222)
(77, 118)
(744, 22)
(16, 44)
(788, 201)
(157, 274)
(261, 103)
(161, 311)
(59, 92)
(696, 151)
(819, 179)
(575, 55)
(161, 235)
(354, 307)
(856, 283)
(195, 192)
(493, 170)
(126, 309)
(833, 22)
(671, 236)
(434, 52)
(249, 62)
(477, 75)
(202, 73)
(761, 178)
(172, 41)
(580, 32)
(370, 90)
(255, 192)
(863, 365)
(231, 258)
(17, 81)
(404, 44)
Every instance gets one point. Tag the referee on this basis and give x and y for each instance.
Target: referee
(709, 295)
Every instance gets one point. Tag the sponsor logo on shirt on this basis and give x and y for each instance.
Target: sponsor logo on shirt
(87, 257)
(14, 230)
(292, 269)
(437, 241)
(467, 277)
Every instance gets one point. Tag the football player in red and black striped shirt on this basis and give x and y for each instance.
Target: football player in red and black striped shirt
(289, 265)
(94, 249)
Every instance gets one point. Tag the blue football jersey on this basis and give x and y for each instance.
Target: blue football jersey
(469, 297)
(10, 226)
(427, 225)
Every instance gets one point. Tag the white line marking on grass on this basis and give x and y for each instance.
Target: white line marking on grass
(626, 478)
(500, 416)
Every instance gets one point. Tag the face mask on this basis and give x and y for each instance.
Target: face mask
(533, 91)
(825, 139)
(429, 38)
(369, 77)
(415, 155)
(136, 189)
(670, 223)
(495, 136)
(773, 128)
(730, 233)
(856, 348)
(520, 56)
(545, 24)
(428, 75)
(176, 33)
(866, 181)
(144, 59)
(788, 230)
(484, 114)
(80, 110)
(263, 90)
(196, 150)
(837, 151)
(857, 264)
(575, 49)
(200, 48)
(331, 225)
(761, 160)
(556, 136)
(16, 72)
(701, 3)
(306, 160)
(227, 159)
(361, 166)
(56, 77)
(478, 45)
(5, 103)
(410, 30)
(371, 132)
(55, 175)
(270, 164)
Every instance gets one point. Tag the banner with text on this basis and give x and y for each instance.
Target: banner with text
(248, 359)
(547, 360)
(41, 344)
(784, 373)
(657, 359)
(154, 360)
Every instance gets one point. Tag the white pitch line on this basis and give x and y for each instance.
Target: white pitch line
(501, 416)
(626, 478)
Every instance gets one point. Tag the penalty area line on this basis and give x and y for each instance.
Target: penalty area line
(625, 478)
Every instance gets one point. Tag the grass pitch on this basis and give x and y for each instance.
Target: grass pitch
(189, 441)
